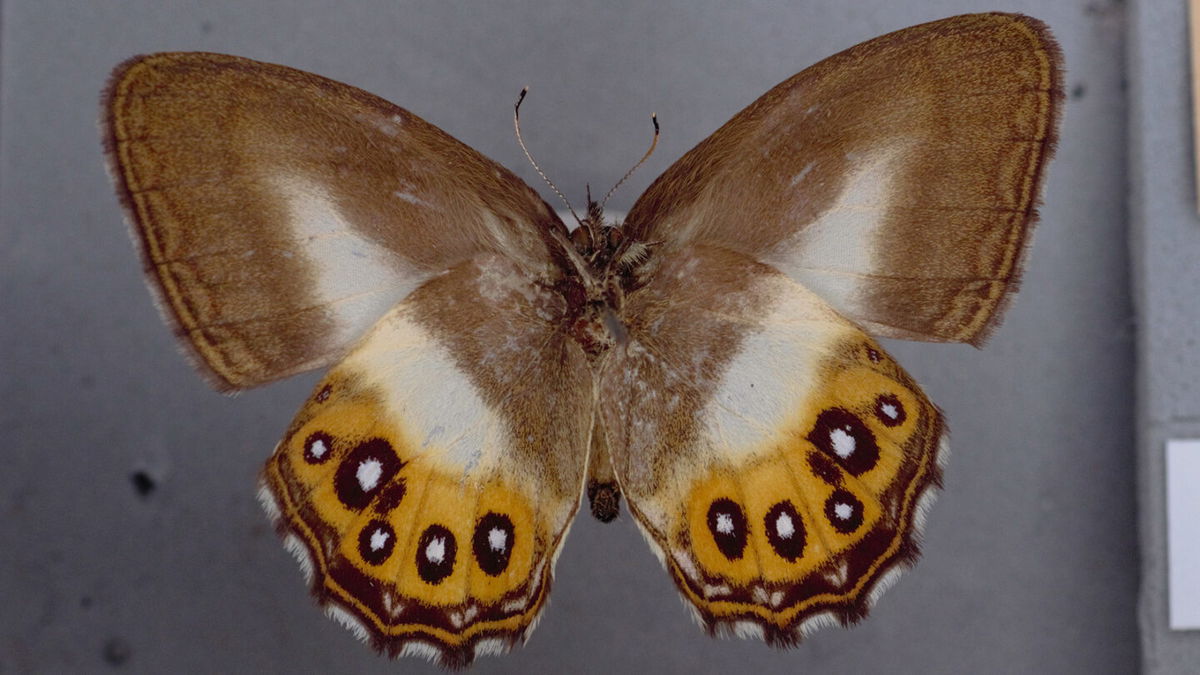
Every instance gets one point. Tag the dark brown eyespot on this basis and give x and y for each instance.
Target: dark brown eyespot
(323, 395)
(785, 530)
(727, 524)
(376, 542)
(318, 447)
(366, 470)
(844, 511)
(844, 438)
(493, 543)
(436, 550)
(889, 410)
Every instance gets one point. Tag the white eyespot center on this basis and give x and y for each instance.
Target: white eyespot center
(890, 410)
(318, 449)
(784, 526)
(368, 474)
(843, 443)
(497, 539)
(843, 511)
(379, 539)
(435, 551)
(724, 523)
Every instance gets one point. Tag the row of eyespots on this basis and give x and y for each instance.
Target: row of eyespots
(782, 524)
(839, 443)
(492, 545)
(844, 441)
(368, 473)
(845, 438)
(437, 548)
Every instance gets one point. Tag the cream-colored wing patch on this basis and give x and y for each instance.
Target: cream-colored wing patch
(431, 478)
(772, 450)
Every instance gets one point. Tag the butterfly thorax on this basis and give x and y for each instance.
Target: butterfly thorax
(603, 269)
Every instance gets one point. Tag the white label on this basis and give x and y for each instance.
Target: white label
(1183, 533)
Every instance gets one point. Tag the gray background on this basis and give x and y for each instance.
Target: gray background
(1166, 274)
(1030, 562)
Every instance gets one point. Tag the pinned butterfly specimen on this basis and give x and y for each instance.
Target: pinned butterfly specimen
(712, 359)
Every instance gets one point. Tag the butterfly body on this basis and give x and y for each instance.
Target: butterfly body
(599, 272)
(712, 361)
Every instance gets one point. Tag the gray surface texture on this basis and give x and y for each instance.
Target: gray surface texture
(1030, 558)
(1165, 248)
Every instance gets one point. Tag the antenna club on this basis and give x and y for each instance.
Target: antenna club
(653, 144)
(538, 169)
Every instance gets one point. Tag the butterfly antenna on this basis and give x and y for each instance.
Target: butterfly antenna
(521, 142)
(653, 144)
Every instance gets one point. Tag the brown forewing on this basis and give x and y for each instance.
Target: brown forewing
(948, 125)
(247, 182)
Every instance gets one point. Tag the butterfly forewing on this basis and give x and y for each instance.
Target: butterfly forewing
(280, 213)
(897, 179)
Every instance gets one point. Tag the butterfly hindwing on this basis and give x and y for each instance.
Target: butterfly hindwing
(280, 213)
(772, 452)
(430, 479)
(897, 179)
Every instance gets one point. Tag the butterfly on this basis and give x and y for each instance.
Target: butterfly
(712, 360)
